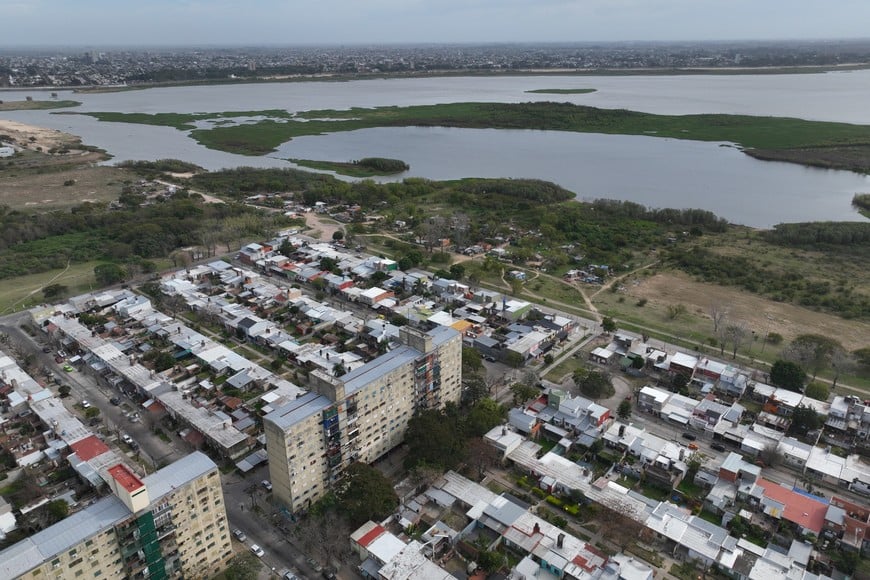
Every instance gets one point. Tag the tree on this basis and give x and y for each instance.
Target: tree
(718, 313)
(484, 415)
(735, 334)
(243, 566)
(54, 291)
(817, 391)
(337, 235)
(812, 352)
(770, 455)
(594, 384)
(434, 438)
(624, 410)
(608, 324)
(108, 274)
(365, 494)
(788, 375)
(522, 392)
(64, 391)
(481, 455)
(514, 359)
(680, 382)
(472, 362)
(803, 420)
(841, 362)
(676, 310)
(57, 510)
(457, 271)
(475, 389)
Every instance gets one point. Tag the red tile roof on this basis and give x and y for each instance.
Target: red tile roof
(89, 447)
(126, 478)
(371, 536)
(800, 509)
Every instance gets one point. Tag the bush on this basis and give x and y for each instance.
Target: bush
(642, 302)
(553, 500)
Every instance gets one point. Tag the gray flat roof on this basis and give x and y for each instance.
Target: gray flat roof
(94, 519)
(297, 410)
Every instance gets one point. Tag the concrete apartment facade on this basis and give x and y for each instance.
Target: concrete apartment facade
(171, 524)
(359, 416)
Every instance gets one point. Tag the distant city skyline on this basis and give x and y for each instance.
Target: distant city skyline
(96, 23)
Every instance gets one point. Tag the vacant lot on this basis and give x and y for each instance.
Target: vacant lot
(25, 291)
(761, 315)
(31, 191)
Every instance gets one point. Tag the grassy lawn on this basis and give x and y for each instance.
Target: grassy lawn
(654, 492)
(690, 489)
(566, 367)
(711, 517)
(24, 291)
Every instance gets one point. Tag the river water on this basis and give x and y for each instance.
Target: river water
(653, 171)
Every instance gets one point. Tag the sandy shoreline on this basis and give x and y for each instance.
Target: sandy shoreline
(32, 137)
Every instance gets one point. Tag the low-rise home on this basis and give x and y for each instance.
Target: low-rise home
(804, 510)
(849, 522)
(603, 355)
(652, 399)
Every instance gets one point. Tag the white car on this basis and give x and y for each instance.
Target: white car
(126, 439)
(85, 404)
(257, 550)
(267, 484)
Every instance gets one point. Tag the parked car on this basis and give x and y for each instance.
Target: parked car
(239, 535)
(314, 565)
(68, 368)
(257, 550)
(46, 349)
(85, 403)
(689, 436)
(126, 439)
(693, 446)
(267, 484)
(115, 401)
(717, 447)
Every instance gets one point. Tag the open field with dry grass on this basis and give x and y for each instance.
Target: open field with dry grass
(26, 291)
(30, 191)
(761, 315)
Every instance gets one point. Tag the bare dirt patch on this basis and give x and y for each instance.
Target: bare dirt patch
(326, 226)
(762, 315)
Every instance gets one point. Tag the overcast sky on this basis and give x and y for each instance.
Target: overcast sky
(252, 22)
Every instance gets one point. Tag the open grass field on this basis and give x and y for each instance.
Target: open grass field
(28, 190)
(34, 105)
(25, 291)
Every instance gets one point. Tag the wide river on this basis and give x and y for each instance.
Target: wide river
(653, 171)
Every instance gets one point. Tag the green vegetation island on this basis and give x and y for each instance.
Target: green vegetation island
(562, 91)
(30, 105)
(818, 143)
(366, 167)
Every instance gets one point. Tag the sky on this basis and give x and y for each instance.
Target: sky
(331, 22)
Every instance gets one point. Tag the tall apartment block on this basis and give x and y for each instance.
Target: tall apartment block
(170, 524)
(361, 415)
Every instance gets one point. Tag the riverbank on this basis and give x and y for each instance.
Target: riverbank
(36, 105)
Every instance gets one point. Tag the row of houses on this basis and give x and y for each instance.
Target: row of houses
(687, 534)
(484, 518)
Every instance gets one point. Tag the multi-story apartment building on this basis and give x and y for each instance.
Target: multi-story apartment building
(361, 415)
(170, 524)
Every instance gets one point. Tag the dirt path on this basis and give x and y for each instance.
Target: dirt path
(14, 305)
(621, 277)
(205, 196)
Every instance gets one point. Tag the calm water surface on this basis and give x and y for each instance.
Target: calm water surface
(653, 171)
